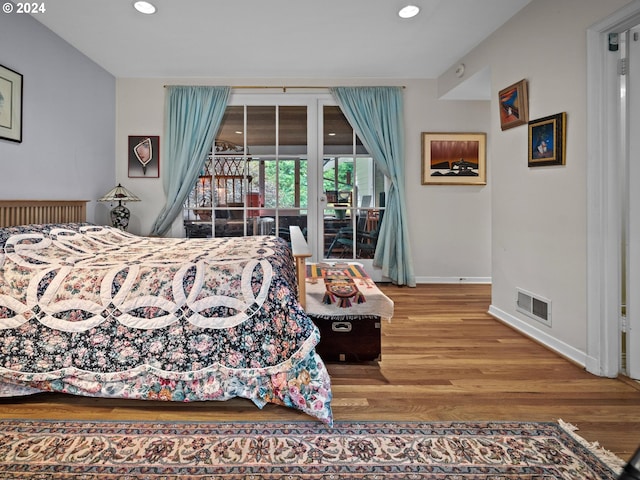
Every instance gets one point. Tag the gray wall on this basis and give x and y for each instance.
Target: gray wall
(68, 140)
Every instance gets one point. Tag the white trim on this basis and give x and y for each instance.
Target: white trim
(561, 348)
(604, 234)
(453, 279)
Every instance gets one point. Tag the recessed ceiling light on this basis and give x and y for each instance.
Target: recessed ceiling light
(409, 11)
(144, 7)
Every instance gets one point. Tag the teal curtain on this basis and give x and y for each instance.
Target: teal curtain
(192, 117)
(376, 115)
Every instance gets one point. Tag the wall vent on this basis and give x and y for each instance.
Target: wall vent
(534, 306)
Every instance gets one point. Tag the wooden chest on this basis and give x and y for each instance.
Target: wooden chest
(355, 340)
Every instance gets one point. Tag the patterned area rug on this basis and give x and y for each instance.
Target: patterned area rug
(300, 450)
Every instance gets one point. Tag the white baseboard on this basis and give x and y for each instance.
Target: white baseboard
(453, 279)
(561, 348)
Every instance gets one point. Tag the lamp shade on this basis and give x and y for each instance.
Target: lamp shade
(119, 194)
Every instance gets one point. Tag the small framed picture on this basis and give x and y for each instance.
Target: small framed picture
(144, 156)
(547, 140)
(514, 105)
(454, 158)
(10, 105)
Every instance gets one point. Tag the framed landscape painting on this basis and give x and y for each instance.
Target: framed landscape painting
(10, 105)
(454, 158)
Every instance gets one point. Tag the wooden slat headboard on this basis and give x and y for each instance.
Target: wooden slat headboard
(24, 212)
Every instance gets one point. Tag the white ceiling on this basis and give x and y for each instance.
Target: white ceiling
(276, 38)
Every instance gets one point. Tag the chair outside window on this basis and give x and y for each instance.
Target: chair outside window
(365, 240)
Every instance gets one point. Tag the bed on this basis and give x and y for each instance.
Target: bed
(95, 311)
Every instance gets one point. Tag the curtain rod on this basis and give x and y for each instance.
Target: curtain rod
(283, 88)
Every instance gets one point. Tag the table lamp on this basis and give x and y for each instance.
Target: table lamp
(119, 214)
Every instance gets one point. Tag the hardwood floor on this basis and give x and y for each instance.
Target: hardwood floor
(443, 358)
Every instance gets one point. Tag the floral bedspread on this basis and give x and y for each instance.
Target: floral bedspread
(95, 311)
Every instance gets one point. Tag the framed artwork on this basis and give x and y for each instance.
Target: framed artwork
(454, 158)
(10, 105)
(514, 105)
(144, 156)
(547, 140)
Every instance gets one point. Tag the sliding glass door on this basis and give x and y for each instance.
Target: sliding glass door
(352, 197)
(289, 159)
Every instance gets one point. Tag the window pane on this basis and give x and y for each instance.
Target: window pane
(285, 183)
(261, 129)
(364, 181)
(292, 183)
(338, 134)
(292, 133)
(232, 126)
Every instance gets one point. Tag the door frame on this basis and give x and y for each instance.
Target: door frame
(605, 166)
(375, 273)
(632, 195)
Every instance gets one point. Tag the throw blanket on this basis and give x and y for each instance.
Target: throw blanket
(344, 291)
(340, 287)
